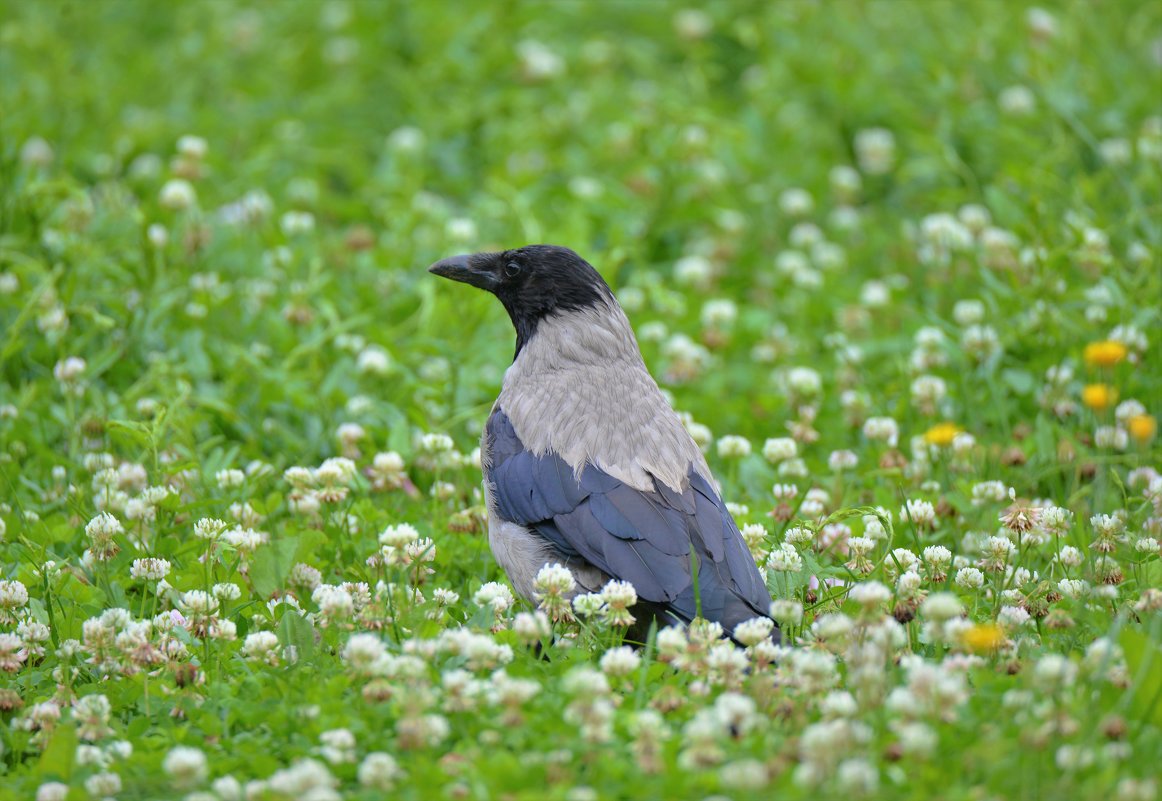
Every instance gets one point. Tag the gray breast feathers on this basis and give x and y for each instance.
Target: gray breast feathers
(580, 389)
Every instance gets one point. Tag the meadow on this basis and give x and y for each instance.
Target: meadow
(898, 264)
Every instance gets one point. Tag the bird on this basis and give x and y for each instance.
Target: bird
(585, 462)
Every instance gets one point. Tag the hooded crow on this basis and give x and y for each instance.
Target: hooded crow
(585, 462)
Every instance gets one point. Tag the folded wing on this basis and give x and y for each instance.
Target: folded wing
(653, 539)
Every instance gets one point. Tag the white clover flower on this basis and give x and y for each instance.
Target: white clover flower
(585, 681)
(379, 771)
(52, 791)
(335, 471)
(733, 447)
(1017, 101)
(701, 435)
(860, 546)
(186, 766)
(873, 526)
(538, 63)
(839, 461)
(808, 235)
(337, 746)
(406, 139)
(908, 584)
(1069, 556)
(495, 595)
(693, 271)
(261, 646)
(69, 371)
(103, 784)
(1054, 520)
(435, 443)
(373, 360)
(335, 603)
(989, 491)
(797, 535)
(101, 530)
(941, 606)
(532, 626)
(692, 24)
(969, 578)
(875, 294)
(793, 468)
(755, 536)
(399, 536)
(784, 492)
(870, 594)
(845, 182)
(838, 704)
(804, 381)
(149, 569)
(227, 479)
(937, 556)
(882, 429)
(1116, 151)
(1012, 617)
(36, 152)
(13, 596)
(588, 604)
(620, 661)
(976, 218)
(619, 594)
(832, 626)
(927, 392)
(875, 150)
(1111, 438)
(780, 449)
(785, 559)
(306, 778)
(857, 776)
(744, 774)
(349, 433)
(1127, 409)
(554, 579)
(192, 147)
(1054, 672)
(363, 652)
(294, 223)
(13, 652)
(796, 202)
(922, 514)
(752, 632)
(719, 314)
(178, 194)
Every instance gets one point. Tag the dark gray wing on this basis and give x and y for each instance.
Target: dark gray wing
(651, 539)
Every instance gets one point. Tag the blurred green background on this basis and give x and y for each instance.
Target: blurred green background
(636, 133)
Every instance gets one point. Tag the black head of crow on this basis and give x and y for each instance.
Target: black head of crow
(586, 463)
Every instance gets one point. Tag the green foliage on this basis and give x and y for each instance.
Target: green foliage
(900, 230)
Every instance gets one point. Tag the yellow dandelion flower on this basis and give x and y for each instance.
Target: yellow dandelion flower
(1099, 397)
(1104, 354)
(942, 434)
(1142, 427)
(982, 638)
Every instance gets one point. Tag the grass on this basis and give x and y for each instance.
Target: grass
(237, 319)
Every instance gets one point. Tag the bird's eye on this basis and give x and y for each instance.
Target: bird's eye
(511, 270)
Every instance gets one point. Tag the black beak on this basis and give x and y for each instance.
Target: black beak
(472, 270)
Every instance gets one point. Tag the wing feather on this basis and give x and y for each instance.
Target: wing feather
(644, 537)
